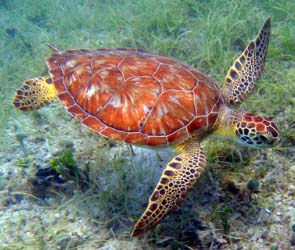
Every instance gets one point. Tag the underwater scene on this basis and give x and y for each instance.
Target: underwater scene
(138, 125)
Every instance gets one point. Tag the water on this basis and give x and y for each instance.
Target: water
(64, 187)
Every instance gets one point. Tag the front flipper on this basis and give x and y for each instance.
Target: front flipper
(246, 70)
(177, 179)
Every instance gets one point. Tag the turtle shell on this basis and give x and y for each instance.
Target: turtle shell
(135, 96)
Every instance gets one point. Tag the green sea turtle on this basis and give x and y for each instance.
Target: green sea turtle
(144, 98)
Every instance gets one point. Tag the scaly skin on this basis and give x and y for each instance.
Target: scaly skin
(34, 94)
(178, 178)
(247, 68)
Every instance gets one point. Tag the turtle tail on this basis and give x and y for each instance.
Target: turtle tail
(34, 94)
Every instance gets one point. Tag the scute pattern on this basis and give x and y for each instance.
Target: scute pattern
(133, 95)
(173, 109)
(125, 108)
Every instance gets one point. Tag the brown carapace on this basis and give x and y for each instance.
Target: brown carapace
(134, 96)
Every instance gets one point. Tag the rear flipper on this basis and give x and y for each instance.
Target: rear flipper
(34, 94)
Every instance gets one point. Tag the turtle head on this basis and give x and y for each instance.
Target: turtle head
(257, 131)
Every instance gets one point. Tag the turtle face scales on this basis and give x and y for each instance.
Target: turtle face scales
(257, 131)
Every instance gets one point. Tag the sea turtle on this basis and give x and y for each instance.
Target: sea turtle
(144, 98)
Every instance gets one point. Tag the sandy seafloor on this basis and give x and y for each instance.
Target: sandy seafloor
(97, 208)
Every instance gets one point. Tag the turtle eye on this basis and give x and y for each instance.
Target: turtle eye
(267, 139)
(263, 138)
